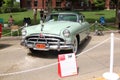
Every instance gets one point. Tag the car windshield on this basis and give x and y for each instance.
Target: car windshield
(67, 17)
(62, 17)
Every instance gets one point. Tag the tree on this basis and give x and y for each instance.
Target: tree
(114, 1)
(117, 3)
(9, 3)
(8, 6)
(49, 4)
(1, 2)
(99, 4)
(107, 4)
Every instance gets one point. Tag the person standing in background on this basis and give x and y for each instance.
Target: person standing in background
(10, 21)
(42, 15)
(45, 13)
(35, 15)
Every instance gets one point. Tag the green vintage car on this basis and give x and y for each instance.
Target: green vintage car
(60, 31)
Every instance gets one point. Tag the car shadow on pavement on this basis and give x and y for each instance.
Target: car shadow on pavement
(83, 45)
(53, 54)
(45, 54)
(2, 46)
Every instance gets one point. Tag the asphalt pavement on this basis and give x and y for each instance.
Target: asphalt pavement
(93, 60)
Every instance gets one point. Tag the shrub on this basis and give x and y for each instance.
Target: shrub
(99, 4)
(14, 9)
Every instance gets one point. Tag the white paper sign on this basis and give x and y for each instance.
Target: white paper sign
(67, 64)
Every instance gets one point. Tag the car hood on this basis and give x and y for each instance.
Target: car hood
(54, 27)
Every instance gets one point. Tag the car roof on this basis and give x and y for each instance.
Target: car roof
(66, 13)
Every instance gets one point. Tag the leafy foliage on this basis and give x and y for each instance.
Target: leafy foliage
(11, 6)
(115, 1)
(99, 4)
(9, 3)
(1, 2)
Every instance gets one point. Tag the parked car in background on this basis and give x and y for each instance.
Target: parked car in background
(0, 30)
(60, 31)
(1, 24)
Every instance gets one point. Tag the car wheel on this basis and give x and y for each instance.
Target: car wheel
(75, 46)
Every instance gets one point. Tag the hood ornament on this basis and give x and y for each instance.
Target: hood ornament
(42, 25)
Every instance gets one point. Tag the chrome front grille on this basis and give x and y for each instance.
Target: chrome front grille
(46, 39)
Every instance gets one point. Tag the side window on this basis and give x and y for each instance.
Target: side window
(53, 17)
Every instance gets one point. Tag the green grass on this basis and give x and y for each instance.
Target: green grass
(18, 17)
(7, 32)
(91, 17)
(109, 15)
(104, 28)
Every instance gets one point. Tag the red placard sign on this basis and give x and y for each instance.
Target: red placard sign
(67, 65)
(0, 30)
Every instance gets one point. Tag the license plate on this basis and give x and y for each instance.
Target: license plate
(40, 46)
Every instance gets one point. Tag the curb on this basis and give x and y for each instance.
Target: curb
(101, 78)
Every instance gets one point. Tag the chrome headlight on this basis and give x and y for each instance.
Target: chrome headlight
(66, 33)
(24, 32)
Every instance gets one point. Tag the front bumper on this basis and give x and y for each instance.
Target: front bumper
(48, 47)
(50, 42)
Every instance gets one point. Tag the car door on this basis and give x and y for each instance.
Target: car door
(84, 27)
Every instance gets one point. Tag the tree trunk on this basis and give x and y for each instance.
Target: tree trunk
(91, 1)
(49, 6)
(107, 4)
(117, 9)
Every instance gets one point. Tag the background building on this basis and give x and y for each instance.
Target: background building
(56, 4)
(60, 4)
